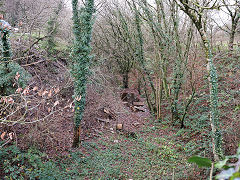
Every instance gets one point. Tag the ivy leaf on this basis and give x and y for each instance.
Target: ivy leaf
(236, 176)
(237, 108)
(200, 161)
(220, 164)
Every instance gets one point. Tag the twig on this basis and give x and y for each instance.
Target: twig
(9, 140)
(211, 172)
(33, 63)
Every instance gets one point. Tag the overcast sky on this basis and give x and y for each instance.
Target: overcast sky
(219, 16)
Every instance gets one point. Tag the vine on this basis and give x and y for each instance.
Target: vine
(82, 28)
(8, 69)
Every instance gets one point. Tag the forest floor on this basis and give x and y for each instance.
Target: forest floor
(143, 149)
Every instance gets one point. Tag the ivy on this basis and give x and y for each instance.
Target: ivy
(8, 70)
(82, 28)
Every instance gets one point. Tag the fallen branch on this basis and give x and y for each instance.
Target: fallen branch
(8, 141)
(33, 63)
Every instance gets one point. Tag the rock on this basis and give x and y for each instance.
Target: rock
(119, 126)
(115, 141)
(136, 124)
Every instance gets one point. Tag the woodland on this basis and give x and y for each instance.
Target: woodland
(120, 89)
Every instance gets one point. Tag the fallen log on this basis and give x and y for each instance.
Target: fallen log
(140, 108)
(103, 120)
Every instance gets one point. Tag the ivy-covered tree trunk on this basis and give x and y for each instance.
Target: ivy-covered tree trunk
(196, 16)
(6, 55)
(213, 87)
(6, 48)
(8, 69)
(5, 29)
(232, 35)
(82, 28)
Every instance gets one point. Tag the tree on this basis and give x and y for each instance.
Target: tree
(195, 11)
(32, 17)
(231, 9)
(116, 39)
(52, 29)
(82, 29)
(234, 12)
(169, 54)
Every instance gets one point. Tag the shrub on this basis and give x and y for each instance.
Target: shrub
(28, 165)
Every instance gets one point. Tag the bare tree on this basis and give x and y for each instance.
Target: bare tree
(115, 38)
(233, 11)
(32, 19)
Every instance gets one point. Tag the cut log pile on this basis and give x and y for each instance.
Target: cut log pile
(131, 100)
(105, 114)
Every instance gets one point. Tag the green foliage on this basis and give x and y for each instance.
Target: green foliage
(29, 165)
(228, 170)
(82, 28)
(8, 72)
(149, 156)
(105, 164)
(237, 108)
(200, 161)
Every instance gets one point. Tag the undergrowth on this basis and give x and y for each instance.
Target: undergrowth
(32, 164)
(151, 155)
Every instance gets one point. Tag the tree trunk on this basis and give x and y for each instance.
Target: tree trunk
(82, 28)
(76, 137)
(125, 79)
(231, 38)
(213, 79)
